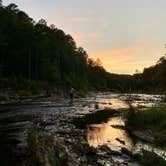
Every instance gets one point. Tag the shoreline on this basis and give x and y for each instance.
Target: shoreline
(15, 98)
(21, 96)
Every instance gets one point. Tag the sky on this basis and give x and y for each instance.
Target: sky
(125, 34)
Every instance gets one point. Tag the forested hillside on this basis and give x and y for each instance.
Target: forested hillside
(37, 52)
(153, 79)
(35, 56)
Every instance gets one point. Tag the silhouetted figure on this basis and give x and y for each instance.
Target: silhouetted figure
(71, 93)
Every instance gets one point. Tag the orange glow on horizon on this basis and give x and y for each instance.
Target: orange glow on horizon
(128, 59)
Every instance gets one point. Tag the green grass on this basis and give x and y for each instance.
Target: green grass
(42, 149)
(163, 99)
(153, 119)
(32, 143)
(3, 97)
(150, 118)
(150, 159)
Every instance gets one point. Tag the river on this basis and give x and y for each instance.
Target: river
(55, 116)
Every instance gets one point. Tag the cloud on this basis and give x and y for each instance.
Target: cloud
(79, 19)
(85, 39)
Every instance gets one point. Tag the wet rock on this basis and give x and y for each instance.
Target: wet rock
(103, 103)
(56, 117)
(104, 148)
(126, 151)
(125, 163)
(144, 135)
(118, 127)
(96, 106)
(108, 151)
(121, 141)
(115, 153)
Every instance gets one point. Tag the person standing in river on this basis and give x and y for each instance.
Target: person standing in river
(71, 93)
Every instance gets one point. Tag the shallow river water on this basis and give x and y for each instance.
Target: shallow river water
(55, 115)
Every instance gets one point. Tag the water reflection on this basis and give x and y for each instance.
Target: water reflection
(55, 115)
(104, 133)
(107, 133)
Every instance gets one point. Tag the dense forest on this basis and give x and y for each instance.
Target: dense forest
(36, 52)
(35, 56)
(153, 79)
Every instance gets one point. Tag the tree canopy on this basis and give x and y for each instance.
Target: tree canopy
(37, 52)
(44, 53)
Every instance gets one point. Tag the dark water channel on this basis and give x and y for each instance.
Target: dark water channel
(55, 116)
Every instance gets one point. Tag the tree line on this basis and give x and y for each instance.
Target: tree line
(37, 52)
(33, 53)
(153, 79)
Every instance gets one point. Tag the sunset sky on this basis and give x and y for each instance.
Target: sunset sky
(125, 34)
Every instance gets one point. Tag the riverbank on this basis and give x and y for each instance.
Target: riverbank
(11, 97)
(21, 96)
(69, 146)
(149, 158)
(148, 125)
(150, 121)
(89, 130)
(15, 90)
(75, 147)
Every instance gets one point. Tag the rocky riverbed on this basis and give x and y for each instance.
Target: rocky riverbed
(87, 131)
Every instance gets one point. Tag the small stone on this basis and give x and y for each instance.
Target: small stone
(126, 151)
(121, 141)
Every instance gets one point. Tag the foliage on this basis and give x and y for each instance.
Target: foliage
(32, 141)
(152, 78)
(94, 118)
(150, 158)
(40, 53)
(42, 150)
(149, 119)
(36, 52)
(3, 97)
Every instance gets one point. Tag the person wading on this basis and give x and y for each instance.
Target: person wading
(71, 94)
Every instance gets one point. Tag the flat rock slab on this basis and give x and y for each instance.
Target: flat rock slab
(144, 135)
